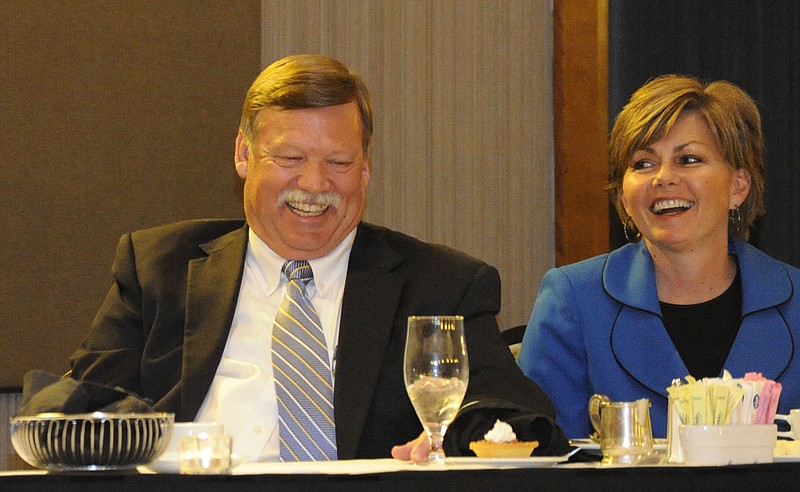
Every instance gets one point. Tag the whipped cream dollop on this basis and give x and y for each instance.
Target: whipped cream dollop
(500, 433)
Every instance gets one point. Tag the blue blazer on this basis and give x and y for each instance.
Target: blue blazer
(596, 327)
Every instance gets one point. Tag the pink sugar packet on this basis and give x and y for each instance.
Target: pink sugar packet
(768, 395)
(773, 403)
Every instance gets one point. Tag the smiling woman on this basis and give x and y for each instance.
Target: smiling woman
(724, 122)
(677, 192)
(688, 295)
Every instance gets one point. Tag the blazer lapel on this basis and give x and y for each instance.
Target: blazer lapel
(371, 295)
(211, 293)
(639, 338)
(764, 329)
(639, 341)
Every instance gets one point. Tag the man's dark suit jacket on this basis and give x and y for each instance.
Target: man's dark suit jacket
(165, 321)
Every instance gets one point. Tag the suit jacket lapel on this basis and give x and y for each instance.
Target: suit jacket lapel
(211, 293)
(371, 294)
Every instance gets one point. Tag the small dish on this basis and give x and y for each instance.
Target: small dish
(590, 445)
(714, 445)
(532, 462)
(785, 459)
(170, 463)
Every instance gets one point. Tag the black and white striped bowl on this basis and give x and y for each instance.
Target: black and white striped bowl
(91, 441)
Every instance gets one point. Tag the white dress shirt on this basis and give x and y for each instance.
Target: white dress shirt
(242, 394)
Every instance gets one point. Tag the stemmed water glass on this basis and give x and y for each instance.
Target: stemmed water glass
(436, 374)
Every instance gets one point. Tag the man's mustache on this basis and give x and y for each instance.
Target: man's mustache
(327, 199)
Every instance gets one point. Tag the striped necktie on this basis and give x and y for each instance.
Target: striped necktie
(302, 373)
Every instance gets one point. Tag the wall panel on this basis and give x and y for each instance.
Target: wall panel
(463, 149)
(580, 101)
(114, 115)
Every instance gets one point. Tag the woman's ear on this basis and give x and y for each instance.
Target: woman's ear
(740, 187)
(621, 199)
(241, 155)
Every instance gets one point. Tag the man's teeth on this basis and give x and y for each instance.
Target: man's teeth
(665, 206)
(307, 209)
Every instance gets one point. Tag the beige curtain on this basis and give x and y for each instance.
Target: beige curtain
(462, 90)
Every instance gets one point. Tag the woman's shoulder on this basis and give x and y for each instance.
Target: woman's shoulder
(580, 275)
(594, 266)
(751, 257)
(766, 281)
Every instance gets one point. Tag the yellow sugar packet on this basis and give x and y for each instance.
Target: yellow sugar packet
(734, 402)
(710, 401)
(717, 403)
(681, 402)
(698, 399)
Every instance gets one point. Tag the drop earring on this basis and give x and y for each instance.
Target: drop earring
(638, 234)
(735, 219)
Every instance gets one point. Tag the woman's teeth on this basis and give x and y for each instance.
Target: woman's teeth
(669, 206)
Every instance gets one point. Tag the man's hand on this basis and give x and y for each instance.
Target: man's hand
(416, 450)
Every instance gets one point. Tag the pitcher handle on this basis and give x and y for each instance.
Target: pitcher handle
(784, 418)
(595, 402)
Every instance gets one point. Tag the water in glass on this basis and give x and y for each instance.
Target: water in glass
(436, 374)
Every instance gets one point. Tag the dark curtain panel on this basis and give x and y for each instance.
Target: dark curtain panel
(754, 44)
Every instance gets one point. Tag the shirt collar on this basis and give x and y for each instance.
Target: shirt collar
(266, 264)
(332, 266)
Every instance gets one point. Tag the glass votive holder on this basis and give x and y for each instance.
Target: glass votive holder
(205, 454)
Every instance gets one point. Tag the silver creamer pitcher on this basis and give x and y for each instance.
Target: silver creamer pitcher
(624, 429)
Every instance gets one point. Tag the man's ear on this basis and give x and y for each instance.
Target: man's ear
(241, 154)
(366, 173)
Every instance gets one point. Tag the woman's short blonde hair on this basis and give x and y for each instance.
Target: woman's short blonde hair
(731, 115)
(306, 81)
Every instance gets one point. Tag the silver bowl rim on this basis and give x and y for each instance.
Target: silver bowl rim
(23, 426)
(99, 416)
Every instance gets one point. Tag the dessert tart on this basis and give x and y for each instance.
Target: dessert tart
(516, 449)
(501, 442)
